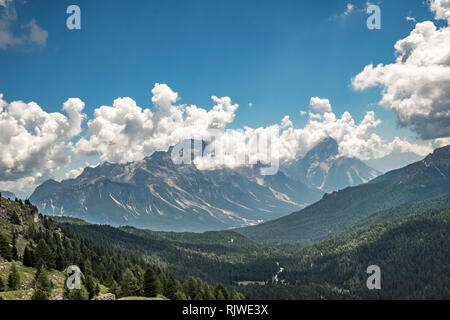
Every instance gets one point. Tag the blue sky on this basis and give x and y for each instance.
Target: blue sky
(275, 55)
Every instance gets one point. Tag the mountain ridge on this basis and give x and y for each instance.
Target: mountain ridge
(157, 194)
(323, 168)
(422, 180)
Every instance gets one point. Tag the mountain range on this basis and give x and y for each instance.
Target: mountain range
(324, 169)
(337, 211)
(157, 194)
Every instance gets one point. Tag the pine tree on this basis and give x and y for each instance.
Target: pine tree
(180, 295)
(43, 255)
(13, 278)
(92, 287)
(77, 294)
(14, 253)
(115, 289)
(152, 284)
(27, 257)
(59, 262)
(43, 286)
(221, 292)
(235, 295)
(207, 293)
(5, 249)
(129, 284)
(171, 288)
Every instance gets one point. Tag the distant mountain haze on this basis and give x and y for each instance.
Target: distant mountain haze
(422, 180)
(7, 194)
(322, 168)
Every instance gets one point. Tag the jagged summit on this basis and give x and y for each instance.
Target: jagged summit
(322, 168)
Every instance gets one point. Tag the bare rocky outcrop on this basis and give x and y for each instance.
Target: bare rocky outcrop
(107, 296)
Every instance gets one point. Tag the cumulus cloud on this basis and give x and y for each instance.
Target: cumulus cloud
(320, 105)
(35, 143)
(24, 184)
(125, 132)
(441, 9)
(417, 85)
(33, 34)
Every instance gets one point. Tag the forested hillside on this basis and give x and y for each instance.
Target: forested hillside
(409, 243)
(413, 254)
(337, 211)
(222, 256)
(35, 252)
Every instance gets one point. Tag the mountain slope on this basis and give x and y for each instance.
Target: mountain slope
(155, 193)
(404, 210)
(24, 231)
(322, 168)
(419, 181)
(413, 254)
(412, 251)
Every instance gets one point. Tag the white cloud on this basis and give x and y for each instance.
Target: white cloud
(33, 34)
(35, 143)
(441, 142)
(354, 140)
(417, 85)
(286, 122)
(320, 105)
(349, 9)
(412, 19)
(72, 174)
(441, 9)
(125, 132)
(37, 34)
(25, 185)
(250, 104)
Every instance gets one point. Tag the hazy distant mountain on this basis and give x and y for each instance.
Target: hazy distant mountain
(7, 194)
(422, 180)
(322, 168)
(155, 193)
(393, 161)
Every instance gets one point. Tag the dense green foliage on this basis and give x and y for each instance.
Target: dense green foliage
(409, 242)
(152, 285)
(223, 256)
(413, 254)
(403, 211)
(46, 246)
(43, 286)
(13, 278)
